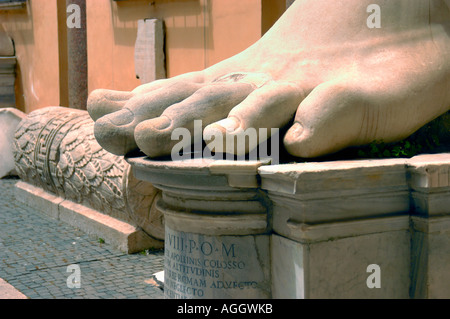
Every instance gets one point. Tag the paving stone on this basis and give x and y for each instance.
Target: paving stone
(36, 250)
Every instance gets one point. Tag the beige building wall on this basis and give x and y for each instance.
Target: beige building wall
(199, 33)
(34, 30)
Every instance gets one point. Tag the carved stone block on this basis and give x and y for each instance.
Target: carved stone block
(55, 150)
(9, 119)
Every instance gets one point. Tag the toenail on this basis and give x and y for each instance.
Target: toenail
(161, 123)
(230, 124)
(296, 129)
(122, 117)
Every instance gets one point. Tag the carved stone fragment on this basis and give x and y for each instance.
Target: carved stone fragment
(55, 150)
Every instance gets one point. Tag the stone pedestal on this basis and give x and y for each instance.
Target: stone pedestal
(430, 194)
(332, 221)
(217, 231)
(344, 229)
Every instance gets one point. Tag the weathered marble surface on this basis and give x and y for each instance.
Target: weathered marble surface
(327, 224)
(430, 201)
(336, 268)
(430, 181)
(347, 214)
(344, 190)
(198, 266)
(217, 227)
(149, 56)
(430, 257)
(346, 81)
(9, 120)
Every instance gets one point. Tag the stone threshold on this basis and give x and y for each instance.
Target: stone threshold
(121, 235)
(9, 292)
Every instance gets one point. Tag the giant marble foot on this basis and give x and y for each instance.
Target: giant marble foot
(342, 81)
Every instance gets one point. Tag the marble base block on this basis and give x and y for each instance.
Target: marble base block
(199, 266)
(337, 268)
(431, 258)
(217, 236)
(367, 229)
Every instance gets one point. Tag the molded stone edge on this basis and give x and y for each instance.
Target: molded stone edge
(123, 236)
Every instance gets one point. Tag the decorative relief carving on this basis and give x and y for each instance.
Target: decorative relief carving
(55, 149)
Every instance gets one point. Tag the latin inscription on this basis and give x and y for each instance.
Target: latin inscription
(197, 266)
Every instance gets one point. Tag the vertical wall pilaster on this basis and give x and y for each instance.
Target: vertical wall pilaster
(77, 59)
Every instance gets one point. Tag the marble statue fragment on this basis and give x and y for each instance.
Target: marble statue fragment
(9, 120)
(55, 150)
(330, 72)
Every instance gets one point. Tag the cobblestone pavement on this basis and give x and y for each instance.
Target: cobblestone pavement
(36, 252)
